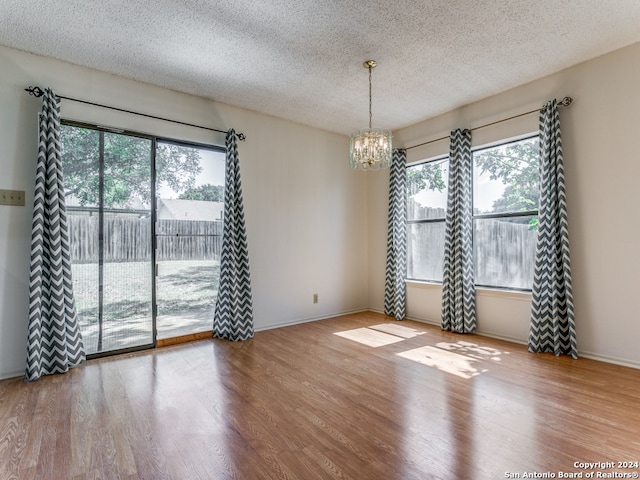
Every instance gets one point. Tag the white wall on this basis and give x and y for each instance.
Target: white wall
(303, 204)
(601, 140)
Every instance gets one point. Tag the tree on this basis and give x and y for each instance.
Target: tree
(206, 192)
(517, 166)
(427, 177)
(127, 166)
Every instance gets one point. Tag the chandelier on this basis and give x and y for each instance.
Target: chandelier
(370, 148)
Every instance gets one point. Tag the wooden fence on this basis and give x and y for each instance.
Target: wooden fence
(127, 238)
(505, 258)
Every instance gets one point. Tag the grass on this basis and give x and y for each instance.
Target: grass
(185, 293)
(187, 286)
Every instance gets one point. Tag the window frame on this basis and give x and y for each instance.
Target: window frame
(479, 216)
(489, 216)
(439, 158)
(155, 140)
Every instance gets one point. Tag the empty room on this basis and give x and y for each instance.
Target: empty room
(309, 240)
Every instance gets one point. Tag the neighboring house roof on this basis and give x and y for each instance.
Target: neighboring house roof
(72, 202)
(169, 209)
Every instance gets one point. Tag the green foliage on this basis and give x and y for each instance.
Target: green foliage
(127, 167)
(206, 192)
(516, 165)
(428, 176)
(177, 166)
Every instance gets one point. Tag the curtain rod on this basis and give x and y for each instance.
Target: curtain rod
(565, 102)
(38, 92)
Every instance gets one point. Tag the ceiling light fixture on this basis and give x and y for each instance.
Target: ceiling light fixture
(370, 148)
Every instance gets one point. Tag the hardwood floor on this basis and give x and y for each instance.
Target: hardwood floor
(355, 397)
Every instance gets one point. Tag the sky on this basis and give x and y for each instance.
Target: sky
(485, 190)
(485, 193)
(212, 163)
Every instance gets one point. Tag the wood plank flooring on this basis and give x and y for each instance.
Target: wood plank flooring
(355, 397)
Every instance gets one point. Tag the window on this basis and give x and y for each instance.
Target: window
(426, 210)
(505, 215)
(506, 190)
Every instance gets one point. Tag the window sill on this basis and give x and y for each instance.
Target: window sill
(496, 292)
(423, 284)
(480, 291)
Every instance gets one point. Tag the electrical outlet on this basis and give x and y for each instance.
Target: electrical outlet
(315, 298)
(12, 197)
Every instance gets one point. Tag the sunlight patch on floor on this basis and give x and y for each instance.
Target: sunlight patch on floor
(444, 360)
(457, 358)
(369, 337)
(397, 330)
(472, 350)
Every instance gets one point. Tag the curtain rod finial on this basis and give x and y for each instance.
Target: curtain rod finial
(566, 101)
(241, 136)
(34, 91)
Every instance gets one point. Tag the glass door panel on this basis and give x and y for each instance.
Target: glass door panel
(108, 197)
(188, 237)
(127, 281)
(81, 166)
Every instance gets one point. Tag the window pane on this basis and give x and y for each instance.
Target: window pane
(425, 251)
(505, 251)
(506, 178)
(108, 197)
(427, 190)
(189, 234)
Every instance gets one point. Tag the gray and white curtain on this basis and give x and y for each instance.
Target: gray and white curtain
(233, 315)
(458, 289)
(552, 317)
(54, 341)
(394, 286)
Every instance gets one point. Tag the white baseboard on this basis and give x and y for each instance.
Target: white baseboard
(300, 321)
(8, 375)
(606, 359)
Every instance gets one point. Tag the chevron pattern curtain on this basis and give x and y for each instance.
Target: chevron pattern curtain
(394, 286)
(552, 318)
(54, 342)
(458, 289)
(233, 315)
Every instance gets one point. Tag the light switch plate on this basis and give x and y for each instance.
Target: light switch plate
(12, 197)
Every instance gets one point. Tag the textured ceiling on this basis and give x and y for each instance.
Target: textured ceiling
(302, 59)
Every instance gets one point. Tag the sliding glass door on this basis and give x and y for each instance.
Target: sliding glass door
(145, 228)
(108, 186)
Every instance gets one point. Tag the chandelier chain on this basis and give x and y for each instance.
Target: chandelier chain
(370, 68)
